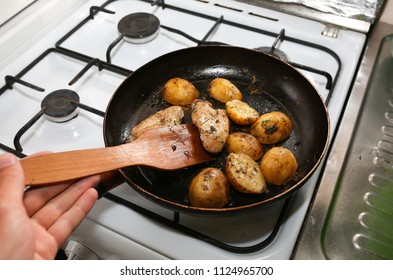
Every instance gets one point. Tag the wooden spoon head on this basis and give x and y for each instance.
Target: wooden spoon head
(174, 147)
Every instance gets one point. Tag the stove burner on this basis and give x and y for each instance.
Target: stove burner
(139, 28)
(60, 105)
(275, 52)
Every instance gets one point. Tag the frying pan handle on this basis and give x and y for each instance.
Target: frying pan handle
(109, 180)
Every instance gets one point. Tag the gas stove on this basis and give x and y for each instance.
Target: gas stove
(84, 58)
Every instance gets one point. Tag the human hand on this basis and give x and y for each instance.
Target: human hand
(35, 223)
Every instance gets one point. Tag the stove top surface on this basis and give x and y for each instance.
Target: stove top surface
(86, 54)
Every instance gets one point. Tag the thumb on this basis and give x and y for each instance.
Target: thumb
(11, 180)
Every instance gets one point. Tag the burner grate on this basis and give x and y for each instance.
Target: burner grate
(73, 104)
(277, 37)
(176, 224)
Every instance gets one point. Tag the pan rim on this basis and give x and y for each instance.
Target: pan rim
(235, 209)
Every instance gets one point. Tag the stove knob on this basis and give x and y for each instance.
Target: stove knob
(76, 250)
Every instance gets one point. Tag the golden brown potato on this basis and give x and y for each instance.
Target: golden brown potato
(242, 142)
(224, 90)
(178, 91)
(240, 112)
(170, 116)
(244, 174)
(209, 189)
(278, 165)
(271, 127)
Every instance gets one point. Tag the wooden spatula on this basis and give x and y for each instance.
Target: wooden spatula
(168, 148)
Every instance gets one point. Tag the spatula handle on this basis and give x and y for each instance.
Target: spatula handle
(64, 166)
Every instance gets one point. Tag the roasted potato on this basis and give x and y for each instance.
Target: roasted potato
(271, 127)
(240, 112)
(278, 165)
(244, 174)
(213, 125)
(170, 116)
(209, 189)
(224, 90)
(242, 142)
(178, 91)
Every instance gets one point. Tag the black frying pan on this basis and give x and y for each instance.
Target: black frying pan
(267, 84)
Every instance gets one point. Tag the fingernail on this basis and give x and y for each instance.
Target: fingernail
(7, 160)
